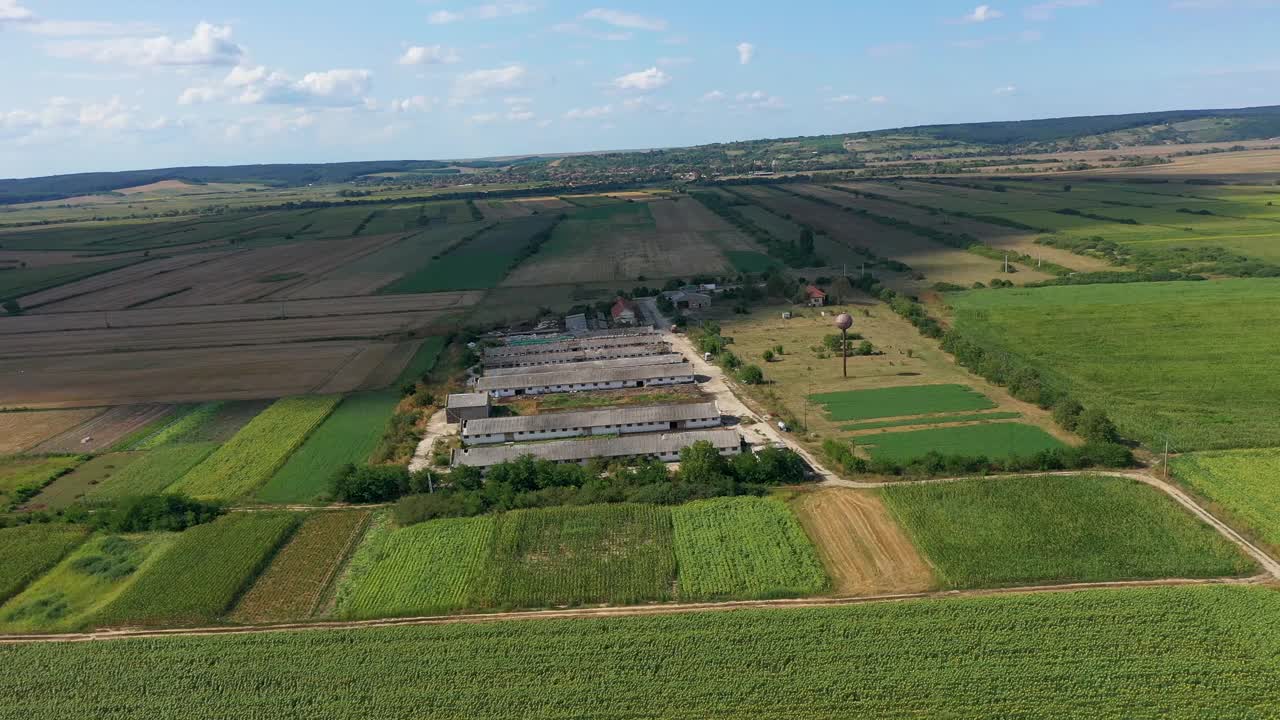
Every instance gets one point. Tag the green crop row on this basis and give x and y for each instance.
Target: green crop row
(28, 550)
(989, 440)
(1243, 482)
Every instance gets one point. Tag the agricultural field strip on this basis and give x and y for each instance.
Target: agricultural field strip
(647, 609)
(241, 312)
(129, 274)
(177, 337)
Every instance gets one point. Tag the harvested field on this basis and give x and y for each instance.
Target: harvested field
(374, 360)
(73, 486)
(393, 366)
(292, 309)
(229, 373)
(22, 430)
(503, 209)
(105, 430)
(99, 276)
(544, 204)
(863, 548)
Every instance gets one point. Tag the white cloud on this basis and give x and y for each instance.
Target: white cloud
(429, 55)
(1046, 10)
(339, 85)
(713, 96)
(1006, 90)
(12, 12)
(746, 52)
(208, 45)
(843, 99)
(758, 100)
(483, 118)
(590, 113)
(981, 14)
(631, 21)
(520, 115)
(62, 118)
(480, 82)
(259, 86)
(571, 28)
(490, 11)
(419, 103)
(198, 95)
(878, 100)
(650, 79)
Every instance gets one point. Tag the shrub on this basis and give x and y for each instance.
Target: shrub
(751, 375)
(1095, 425)
(371, 483)
(146, 513)
(1066, 412)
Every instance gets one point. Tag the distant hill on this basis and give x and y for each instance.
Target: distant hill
(801, 153)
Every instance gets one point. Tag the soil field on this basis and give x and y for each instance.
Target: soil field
(104, 430)
(22, 430)
(503, 209)
(292, 309)
(543, 204)
(865, 551)
(479, 263)
(133, 275)
(69, 488)
(228, 373)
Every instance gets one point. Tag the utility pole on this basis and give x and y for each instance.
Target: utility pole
(1166, 457)
(1006, 264)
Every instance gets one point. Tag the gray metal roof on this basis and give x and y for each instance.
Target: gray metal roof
(592, 418)
(468, 400)
(568, 376)
(557, 358)
(576, 450)
(664, 359)
(564, 345)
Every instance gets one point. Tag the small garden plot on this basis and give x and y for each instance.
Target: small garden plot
(992, 440)
(81, 584)
(28, 550)
(424, 569)
(1246, 483)
(577, 555)
(348, 435)
(1054, 529)
(150, 473)
(73, 486)
(899, 401)
(743, 547)
(17, 473)
(202, 574)
(932, 420)
(295, 584)
(250, 458)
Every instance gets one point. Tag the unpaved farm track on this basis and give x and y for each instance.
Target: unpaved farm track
(605, 612)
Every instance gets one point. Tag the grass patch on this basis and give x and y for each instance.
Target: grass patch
(18, 472)
(348, 435)
(480, 263)
(28, 550)
(898, 401)
(69, 488)
(934, 420)
(188, 425)
(151, 473)
(993, 440)
(1243, 482)
(749, 261)
(424, 358)
(250, 458)
(743, 547)
(1054, 529)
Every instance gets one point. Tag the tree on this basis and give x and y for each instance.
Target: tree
(865, 348)
(806, 240)
(1095, 425)
(370, 484)
(12, 307)
(1066, 412)
(703, 464)
(751, 375)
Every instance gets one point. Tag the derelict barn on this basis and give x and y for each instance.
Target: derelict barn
(575, 345)
(574, 380)
(612, 421)
(660, 359)
(664, 447)
(651, 349)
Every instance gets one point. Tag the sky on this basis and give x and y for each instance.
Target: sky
(92, 86)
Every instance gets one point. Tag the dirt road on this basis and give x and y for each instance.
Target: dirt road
(437, 427)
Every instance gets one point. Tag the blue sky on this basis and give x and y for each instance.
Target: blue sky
(107, 86)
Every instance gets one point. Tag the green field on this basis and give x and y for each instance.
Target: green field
(202, 574)
(1246, 483)
(992, 440)
(78, 483)
(478, 264)
(423, 360)
(297, 582)
(348, 435)
(188, 425)
(900, 401)
(426, 569)
(249, 459)
(16, 282)
(1056, 529)
(27, 551)
(618, 554)
(743, 547)
(18, 472)
(1193, 362)
(749, 261)
(933, 420)
(89, 578)
(1198, 652)
(584, 229)
(153, 472)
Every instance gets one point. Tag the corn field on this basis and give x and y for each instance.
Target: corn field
(28, 550)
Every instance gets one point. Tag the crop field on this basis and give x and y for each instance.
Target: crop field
(478, 264)
(424, 358)
(743, 548)
(1152, 355)
(1138, 653)
(901, 401)
(865, 551)
(27, 551)
(18, 472)
(22, 430)
(249, 459)
(106, 429)
(294, 586)
(931, 420)
(992, 440)
(89, 578)
(25, 282)
(73, 486)
(1057, 529)
(424, 569)
(150, 473)
(185, 427)
(616, 554)
(348, 435)
(202, 573)
(1241, 482)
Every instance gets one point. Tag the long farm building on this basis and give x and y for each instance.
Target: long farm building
(659, 359)
(652, 349)
(664, 447)
(574, 380)
(613, 421)
(575, 345)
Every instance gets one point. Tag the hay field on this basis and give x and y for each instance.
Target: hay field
(22, 430)
(105, 430)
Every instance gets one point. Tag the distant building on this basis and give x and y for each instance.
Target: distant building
(688, 300)
(594, 342)
(665, 447)
(578, 356)
(571, 380)
(610, 421)
(467, 406)
(816, 297)
(662, 358)
(576, 323)
(624, 312)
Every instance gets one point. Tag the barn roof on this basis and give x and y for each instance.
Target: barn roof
(565, 375)
(592, 418)
(656, 359)
(577, 450)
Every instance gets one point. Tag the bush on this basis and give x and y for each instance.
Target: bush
(768, 356)
(1066, 412)
(751, 375)
(371, 483)
(146, 513)
(1095, 425)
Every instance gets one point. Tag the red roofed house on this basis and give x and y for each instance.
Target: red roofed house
(624, 312)
(817, 298)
